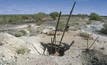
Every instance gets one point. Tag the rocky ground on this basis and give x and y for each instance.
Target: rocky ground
(32, 51)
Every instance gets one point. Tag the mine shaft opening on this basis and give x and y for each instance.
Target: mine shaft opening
(54, 49)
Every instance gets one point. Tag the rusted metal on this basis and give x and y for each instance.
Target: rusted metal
(93, 43)
(66, 25)
(71, 44)
(87, 41)
(56, 28)
(51, 39)
(36, 49)
(56, 54)
(55, 31)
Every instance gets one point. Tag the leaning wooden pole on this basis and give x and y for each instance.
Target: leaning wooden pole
(93, 43)
(56, 28)
(55, 32)
(66, 25)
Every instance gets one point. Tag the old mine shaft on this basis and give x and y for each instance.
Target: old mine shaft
(58, 49)
(53, 49)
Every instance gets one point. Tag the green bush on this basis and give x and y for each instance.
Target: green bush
(75, 29)
(39, 23)
(89, 22)
(18, 34)
(61, 26)
(34, 32)
(15, 19)
(103, 48)
(3, 22)
(104, 29)
(54, 15)
(21, 51)
(94, 16)
(84, 34)
(29, 26)
(23, 31)
(38, 16)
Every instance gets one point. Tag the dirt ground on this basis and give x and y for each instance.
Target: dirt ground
(75, 55)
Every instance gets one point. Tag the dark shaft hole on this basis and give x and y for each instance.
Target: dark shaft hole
(61, 51)
(52, 49)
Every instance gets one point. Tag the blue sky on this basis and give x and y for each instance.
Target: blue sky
(48, 6)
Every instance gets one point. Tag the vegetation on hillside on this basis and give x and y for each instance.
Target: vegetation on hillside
(104, 29)
(84, 34)
(61, 26)
(21, 51)
(19, 18)
(82, 15)
(54, 15)
(36, 17)
(94, 16)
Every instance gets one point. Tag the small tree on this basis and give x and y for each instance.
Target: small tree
(54, 15)
(82, 15)
(25, 17)
(39, 16)
(104, 29)
(94, 16)
(15, 19)
(3, 22)
(12, 19)
(61, 26)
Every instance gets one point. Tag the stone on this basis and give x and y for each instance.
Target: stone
(56, 54)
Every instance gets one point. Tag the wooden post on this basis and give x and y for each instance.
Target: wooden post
(66, 25)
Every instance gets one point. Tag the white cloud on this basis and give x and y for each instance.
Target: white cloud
(93, 10)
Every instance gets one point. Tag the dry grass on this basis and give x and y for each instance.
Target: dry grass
(21, 51)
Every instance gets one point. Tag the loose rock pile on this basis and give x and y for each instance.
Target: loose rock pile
(11, 48)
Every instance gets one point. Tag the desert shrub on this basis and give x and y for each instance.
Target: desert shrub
(103, 48)
(94, 16)
(29, 25)
(34, 32)
(18, 34)
(21, 51)
(3, 22)
(84, 34)
(61, 26)
(11, 33)
(89, 22)
(38, 16)
(76, 23)
(23, 31)
(1, 44)
(15, 19)
(54, 15)
(79, 28)
(74, 29)
(39, 23)
(104, 29)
